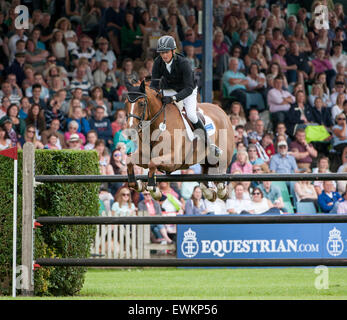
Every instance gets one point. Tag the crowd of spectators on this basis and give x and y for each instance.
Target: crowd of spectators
(281, 80)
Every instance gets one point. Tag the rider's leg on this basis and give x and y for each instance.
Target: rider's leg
(190, 106)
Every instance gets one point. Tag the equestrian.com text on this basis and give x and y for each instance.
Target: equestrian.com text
(165, 148)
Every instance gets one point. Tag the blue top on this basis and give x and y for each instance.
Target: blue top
(235, 75)
(324, 199)
(280, 164)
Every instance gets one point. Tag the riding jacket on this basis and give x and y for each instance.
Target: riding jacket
(181, 78)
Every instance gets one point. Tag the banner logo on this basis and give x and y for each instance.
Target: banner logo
(335, 244)
(190, 246)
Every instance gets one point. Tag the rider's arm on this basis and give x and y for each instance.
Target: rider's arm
(155, 75)
(188, 80)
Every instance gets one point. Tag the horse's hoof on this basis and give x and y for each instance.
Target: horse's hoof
(150, 188)
(220, 186)
(140, 186)
(156, 195)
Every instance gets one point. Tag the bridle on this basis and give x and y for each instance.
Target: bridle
(132, 97)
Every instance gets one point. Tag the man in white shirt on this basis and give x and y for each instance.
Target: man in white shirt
(19, 35)
(279, 101)
(237, 205)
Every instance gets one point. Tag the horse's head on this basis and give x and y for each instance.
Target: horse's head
(140, 100)
(136, 105)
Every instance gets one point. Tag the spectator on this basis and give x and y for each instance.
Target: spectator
(52, 143)
(90, 18)
(299, 115)
(329, 199)
(6, 91)
(54, 128)
(81, 81)
(70, 36)
(242, 163)
(253, 116)
(131, 37)
(303, 152)
(339, 88)
(91, 138)
(322, 167)
(104, 53)
(18, 124)
(341, 208)
(5, 142)
(239, 204)
(338, 56)
(153, 208)
(101, 125)
(35, 56)
(195, 205)
(279, 101)
(273, 193)
(273, 72)
(97, 100)
(267, 144)
(76, 113)
(29, 136)
(54, 112)
(36, 117)
(261, 205)
(117, 161)
(321, 64)
(237, 110)
(123, 206)
(73, 129)
(17, 67)
(282, 162)
(104, 158)
(59, 48)
(305, 192)
(340, 133)
(321, 114)
(128, 73)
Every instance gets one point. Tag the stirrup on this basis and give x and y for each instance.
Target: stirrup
(216, 150)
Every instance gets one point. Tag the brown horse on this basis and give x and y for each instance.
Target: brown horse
(163, 143)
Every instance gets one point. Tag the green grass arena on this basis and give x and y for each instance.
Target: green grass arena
(208, 284)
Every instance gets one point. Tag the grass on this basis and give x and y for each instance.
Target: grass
(210, 284)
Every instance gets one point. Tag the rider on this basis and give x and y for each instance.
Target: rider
(178, 83)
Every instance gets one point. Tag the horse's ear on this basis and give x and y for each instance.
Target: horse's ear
(128, 85)
(143, 86)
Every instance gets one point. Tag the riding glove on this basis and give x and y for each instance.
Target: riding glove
(167, 100)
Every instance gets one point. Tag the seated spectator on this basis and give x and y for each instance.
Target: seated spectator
(253, 155)
(305, 192)
(103, 72)
(123, 206)
(119, 137)
(220, 52)
(338, 88)
(340, 133)
(55, 128)
(117, 161)
(254, 139)
(104, 53)
(18, 124)
(119, 119)
(74, 142)
(301, 40)
(267, 144)
(254, 56)
(6, 91)
(277, 40)
(282, 162)
(73, 129)
(260, 205)
(217, 207)
(299, 115)
(242, 163)
(17, 67)
(91, 138)
(317, 92)
(104, 158)
(153, 208)
(321, 64)
(236, 53)
(109, 91)
(59, 48)
(85, 50)
(29, 136)
(101, 125)
(239, 204)
(52, 142)
(131, 37)
(272, 193)
(303, 152)
(321, 114)
(272, 73)
(338, 107)
(329, 199)
(342, 206)
(36, 97)
(195, 205)
(279, 101)
(280, 58)
(322, 167)
(338, 56)
(253, 116)
(77, 114)
(256, 80)
(5, 142)
(36, 117)
(81, 81)
(98, 100)
(128, 73)
(54, 112)
(35, 56)
(234, 80)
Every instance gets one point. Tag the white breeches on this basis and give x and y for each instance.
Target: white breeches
(189, 103)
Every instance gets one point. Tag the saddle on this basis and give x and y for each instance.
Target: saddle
(198, 113)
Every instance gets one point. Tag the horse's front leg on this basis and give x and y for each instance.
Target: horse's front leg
(136, 185)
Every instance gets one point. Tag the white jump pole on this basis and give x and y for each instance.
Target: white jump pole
(14, 254)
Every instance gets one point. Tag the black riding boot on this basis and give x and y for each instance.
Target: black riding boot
(214, 149)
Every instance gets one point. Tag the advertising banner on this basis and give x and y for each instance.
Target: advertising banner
(249, 241)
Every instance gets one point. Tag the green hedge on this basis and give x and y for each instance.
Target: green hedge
(51, 199)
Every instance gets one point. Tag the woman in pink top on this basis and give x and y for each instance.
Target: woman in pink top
(322, 64)
(242, 163)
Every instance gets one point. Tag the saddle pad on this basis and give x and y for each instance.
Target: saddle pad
(209, 124)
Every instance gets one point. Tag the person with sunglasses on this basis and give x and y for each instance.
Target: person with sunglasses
(340, 132)
(260, 204)
(123, 205)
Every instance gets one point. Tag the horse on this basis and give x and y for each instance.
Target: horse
(163, 143)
